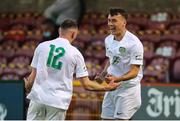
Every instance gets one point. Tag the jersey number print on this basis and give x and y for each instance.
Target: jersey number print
(54, 55)
(116, 60)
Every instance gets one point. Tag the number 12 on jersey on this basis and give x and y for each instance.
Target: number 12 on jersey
(54, 55)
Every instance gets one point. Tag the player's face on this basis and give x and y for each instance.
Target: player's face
(117, 24)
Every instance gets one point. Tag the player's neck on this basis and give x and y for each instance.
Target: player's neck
(66, 37)
(120, 36)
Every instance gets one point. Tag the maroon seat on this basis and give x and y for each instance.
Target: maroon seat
(157, 70)
(148, 49)
(152, 35)
(133, 27)
(175, 70)
(178, 52)
(139, 19)
(155, 25)
(166, 48)
(171, 35)
(10, 76)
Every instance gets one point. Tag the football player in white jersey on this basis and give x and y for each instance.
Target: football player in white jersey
(50, 82)
(125, 53)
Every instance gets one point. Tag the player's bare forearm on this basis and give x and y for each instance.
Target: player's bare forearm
(129, 75)
(105, 68)
(94, 86)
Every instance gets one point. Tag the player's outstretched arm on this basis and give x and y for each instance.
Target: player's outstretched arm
(129, 75)
(94, 86)
(30, 80)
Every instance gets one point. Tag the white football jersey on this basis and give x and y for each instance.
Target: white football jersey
(124, 53)
(56, 61)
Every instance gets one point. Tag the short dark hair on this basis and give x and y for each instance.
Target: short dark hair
(68, 23)
(115, 11)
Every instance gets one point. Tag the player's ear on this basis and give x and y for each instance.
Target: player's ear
(73, 35)
(125, 22)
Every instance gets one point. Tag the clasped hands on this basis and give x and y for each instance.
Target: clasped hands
(109, 79)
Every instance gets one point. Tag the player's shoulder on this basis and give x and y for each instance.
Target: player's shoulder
(109, 38)
(76, 53)
(74, 50)
(43, 44)
(133, 38)
(49, 42)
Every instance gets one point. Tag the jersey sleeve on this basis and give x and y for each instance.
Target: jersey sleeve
(35, 57)
(81, 70)
(137, 55)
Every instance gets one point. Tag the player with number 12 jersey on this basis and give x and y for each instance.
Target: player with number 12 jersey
(55, 71)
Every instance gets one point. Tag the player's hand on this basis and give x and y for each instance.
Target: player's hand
(112, 86)
(99, 78)
(27, 85)
(25, 82)
(110, 78)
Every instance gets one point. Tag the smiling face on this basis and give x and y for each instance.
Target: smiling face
(117, 24)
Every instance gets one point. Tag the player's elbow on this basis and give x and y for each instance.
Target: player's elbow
(134, 74)
(134, 71)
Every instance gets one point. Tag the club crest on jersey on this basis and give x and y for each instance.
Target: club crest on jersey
(122, 51)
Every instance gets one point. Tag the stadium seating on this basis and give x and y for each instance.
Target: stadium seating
(175, 70)
(20, 33)
(85, 105)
